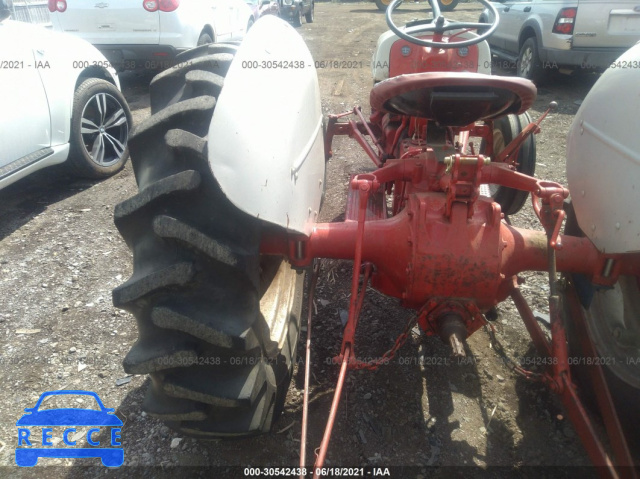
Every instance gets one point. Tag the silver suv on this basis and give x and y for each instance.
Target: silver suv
(545, 35)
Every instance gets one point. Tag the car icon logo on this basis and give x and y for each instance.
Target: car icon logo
(66, 422)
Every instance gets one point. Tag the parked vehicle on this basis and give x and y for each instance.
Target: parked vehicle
(31, 11)
(546, 35)
(294, 10)
(150, 34)
(263, 7)
(61, 101)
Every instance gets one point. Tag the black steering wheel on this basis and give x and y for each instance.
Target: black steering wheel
(440, 25)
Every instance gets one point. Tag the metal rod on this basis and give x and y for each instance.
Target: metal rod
(307, 366)
(358, 111)
(368, 267)
(350, 328)
(587, 434)
(608, 266)
(539, 339)
(332, 414)
(359, 137)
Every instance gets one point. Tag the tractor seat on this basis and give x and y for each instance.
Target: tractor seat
(453, 98)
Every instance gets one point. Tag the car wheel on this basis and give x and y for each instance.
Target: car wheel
(613, 323)
(297, 21)
(506, 129)
(529, 65)
(205, 39)
(383, 4)
(218, 323)
(309, 15)
(100, 125)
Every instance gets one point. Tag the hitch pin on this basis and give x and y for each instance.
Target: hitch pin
(608, 266)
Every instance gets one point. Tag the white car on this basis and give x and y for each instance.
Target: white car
(149, 34)
(59, 101)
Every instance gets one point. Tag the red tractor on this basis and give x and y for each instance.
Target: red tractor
(225, 223)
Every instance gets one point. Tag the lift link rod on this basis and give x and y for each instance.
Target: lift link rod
(332, 414)
(364, 184)
(347, 359)
(307, 365)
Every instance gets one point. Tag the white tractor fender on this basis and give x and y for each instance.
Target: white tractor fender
(603, 158)
(266, 145)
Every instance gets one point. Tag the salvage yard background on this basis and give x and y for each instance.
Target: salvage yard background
(60, 257)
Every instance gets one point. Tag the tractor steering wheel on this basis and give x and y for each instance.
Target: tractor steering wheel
(440, 25)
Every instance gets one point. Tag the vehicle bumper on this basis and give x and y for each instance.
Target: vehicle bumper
(135, 57)
(588, 59)
(289, 12)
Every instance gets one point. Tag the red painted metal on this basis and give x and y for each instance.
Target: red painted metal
(580, 420)
(364, 187)
(324, 446)
(425, 59)
(446, 252)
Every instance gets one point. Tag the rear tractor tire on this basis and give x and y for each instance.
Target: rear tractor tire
(506, 129)
(218, 323)
(613, 323)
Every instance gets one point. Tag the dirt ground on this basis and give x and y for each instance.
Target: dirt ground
(424, 415)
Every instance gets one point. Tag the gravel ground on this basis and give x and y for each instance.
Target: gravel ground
(60, 257)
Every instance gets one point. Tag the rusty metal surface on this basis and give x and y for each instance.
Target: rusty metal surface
(447, 252)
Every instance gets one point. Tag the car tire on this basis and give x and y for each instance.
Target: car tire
(309, 15)
(205, 39)
(506, 129)
(383, 4)
(100, 125)
(529, 65)
(601, 306)
(297, 20)
(218, 323)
